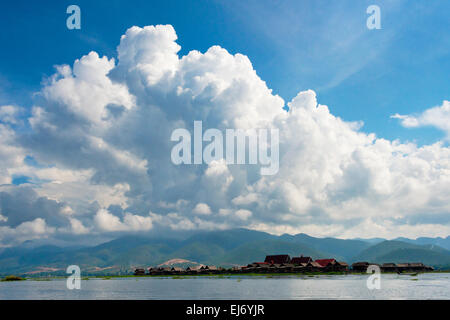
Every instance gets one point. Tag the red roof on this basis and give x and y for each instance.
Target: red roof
(278, 259)
(325, 262)
(299, 260)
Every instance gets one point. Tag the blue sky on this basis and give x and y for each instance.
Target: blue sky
(86, 117)
(360, 74)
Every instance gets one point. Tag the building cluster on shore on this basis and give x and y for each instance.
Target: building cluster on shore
(285, 264)
(392, 267)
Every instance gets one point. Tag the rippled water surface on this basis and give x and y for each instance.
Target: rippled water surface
(422, 286)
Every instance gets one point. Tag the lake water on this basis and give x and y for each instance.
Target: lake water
(393, 286)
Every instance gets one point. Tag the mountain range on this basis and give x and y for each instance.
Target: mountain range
(225, 248)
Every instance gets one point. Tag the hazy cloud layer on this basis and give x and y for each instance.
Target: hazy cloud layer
(99, 141)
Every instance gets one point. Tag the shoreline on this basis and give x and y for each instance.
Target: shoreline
(223, 275)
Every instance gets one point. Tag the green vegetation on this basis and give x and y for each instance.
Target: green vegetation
(12, 278)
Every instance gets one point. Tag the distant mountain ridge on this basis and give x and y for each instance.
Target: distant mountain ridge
(439, 241)
(398, 251)
(225, 248)
(341, 249)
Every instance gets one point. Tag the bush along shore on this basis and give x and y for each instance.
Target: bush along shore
(12, 278)
(284, 264)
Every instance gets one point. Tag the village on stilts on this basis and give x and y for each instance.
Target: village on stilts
(285, 264)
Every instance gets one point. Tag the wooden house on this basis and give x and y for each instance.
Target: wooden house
(417, 266)
(402, 267)
(299, 268)
(360, 266)
(313, 266)
(327, 264)
(389, 267)
(209, 269)
(139, 272)
(332, 265)
(300, 260)
(287, 267)
(341, 266)
(192, 270)
(278, 259)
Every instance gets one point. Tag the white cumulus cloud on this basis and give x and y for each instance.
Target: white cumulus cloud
(100, 135)
(438, 117)
(202, 209)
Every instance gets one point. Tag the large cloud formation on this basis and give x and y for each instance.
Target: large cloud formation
(95, 155)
